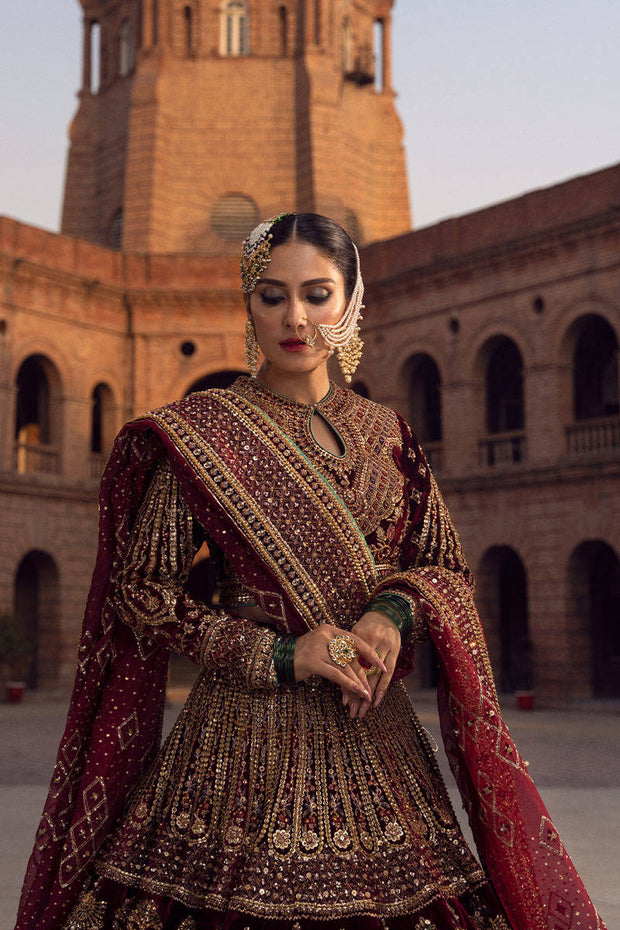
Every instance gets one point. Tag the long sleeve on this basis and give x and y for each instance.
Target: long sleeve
(149, 593)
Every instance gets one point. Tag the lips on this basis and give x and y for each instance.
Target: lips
(293, 344)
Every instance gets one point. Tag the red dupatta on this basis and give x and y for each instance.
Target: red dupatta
(242, 477)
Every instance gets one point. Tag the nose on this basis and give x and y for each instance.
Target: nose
(295, 312)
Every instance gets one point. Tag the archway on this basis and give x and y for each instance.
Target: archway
(502, 365)
(423, 386)
(37, 416)
(594, 619)
(595, 369)
(37, 608)
(502, 595)
(217, 379)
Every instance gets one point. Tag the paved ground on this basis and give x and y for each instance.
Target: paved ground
(574, 758)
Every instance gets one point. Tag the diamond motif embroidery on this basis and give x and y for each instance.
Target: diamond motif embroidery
(128, 730)
(549, 838)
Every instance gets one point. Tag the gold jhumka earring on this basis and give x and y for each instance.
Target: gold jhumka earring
(251, 348)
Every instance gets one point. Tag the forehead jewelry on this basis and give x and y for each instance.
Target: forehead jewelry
(256, 252)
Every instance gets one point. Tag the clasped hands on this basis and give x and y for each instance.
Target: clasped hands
(377, 642)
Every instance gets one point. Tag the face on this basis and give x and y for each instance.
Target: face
(299, 285)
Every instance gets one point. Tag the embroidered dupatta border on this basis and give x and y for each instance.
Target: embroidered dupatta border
(265, 519)
(520, 848)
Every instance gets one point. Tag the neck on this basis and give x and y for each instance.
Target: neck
(303, 387)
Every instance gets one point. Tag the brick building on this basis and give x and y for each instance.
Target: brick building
(497, 333)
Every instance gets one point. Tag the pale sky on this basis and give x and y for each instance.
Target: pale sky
(497, 97)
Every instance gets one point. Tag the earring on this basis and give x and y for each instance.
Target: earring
(251, 348)
(349, 355)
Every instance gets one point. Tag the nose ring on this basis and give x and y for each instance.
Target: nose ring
(309, 340)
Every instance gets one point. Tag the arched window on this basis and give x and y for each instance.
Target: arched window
(115, 233)
(595, 370)
(283, 26)
(378, 54)
(348, 52)
(36, 429)
(188, 24)
(423, 385)
(126, 49)
(217, 379)
(235, 28)
(502, 369)
(95, 58)
(37, 610)
(504, 384)
(594, 620)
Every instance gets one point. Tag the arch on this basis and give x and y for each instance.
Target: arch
(235, 28)
(283, 30)
(423, 386)
(102, 426)
(115, 230)
(216, 379)
(595, 368)
(501, 364)
(348, 47)
(188, 23)
(38, 416)
(95, 57)
(503, 601)
(594, 619)
(37, 608)
(361, 388)
(126, 56)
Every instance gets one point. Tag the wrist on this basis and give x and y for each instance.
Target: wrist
(397, 609)
(284, 659)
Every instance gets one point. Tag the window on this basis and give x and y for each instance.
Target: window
(348, 62)
(95, 57)
(235, 28)
(283, 23)
(595, 369)
(126, 56)
(188, 21)
(115, 233)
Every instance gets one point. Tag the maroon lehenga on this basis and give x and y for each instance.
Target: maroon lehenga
(267, 806)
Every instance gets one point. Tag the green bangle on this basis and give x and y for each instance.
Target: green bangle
(284, 659)
(398, 609)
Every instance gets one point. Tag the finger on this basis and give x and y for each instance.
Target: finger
(386, 678)
(368, 652)
(344, 681)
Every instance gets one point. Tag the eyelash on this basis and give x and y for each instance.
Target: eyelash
(311, 298)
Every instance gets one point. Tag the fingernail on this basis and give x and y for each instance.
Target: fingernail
(379, 698)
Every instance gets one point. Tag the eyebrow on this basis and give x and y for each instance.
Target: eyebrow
(312, 281)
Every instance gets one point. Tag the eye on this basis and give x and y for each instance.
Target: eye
(318, 295)
(271, 297)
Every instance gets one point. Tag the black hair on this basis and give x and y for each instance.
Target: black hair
(325, 235)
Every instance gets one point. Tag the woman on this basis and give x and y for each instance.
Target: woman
(297, 788)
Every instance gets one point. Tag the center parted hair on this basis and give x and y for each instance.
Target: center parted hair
(325, 235)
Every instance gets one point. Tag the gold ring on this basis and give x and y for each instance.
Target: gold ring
(342, 650)
(369, 672)
(309, 340)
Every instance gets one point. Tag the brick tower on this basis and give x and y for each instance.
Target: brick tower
(196, 119)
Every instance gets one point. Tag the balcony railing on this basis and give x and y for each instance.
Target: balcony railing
(502, 449)
(36, 458)
(593, 436)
